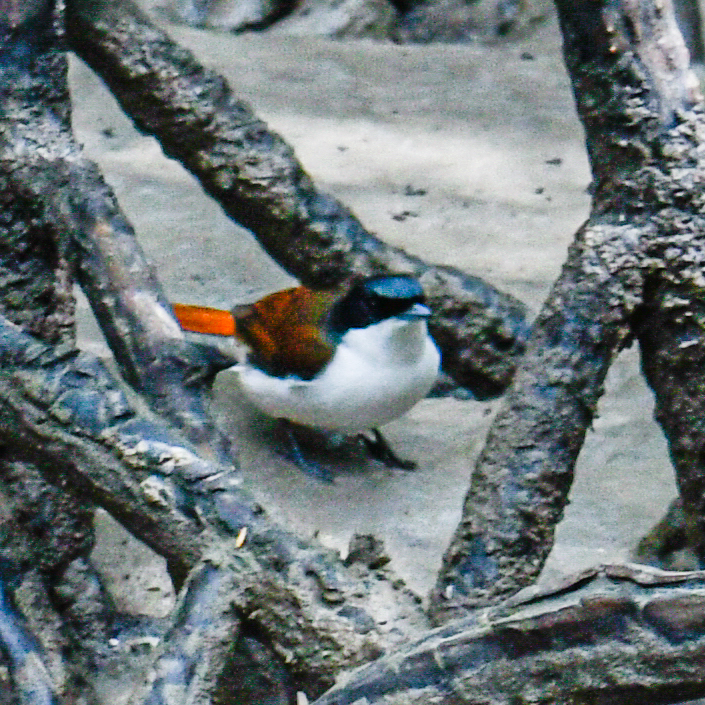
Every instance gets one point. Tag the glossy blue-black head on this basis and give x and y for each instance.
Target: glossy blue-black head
(375, 299)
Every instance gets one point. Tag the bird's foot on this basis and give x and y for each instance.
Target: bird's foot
(379, 448)
(295, 454)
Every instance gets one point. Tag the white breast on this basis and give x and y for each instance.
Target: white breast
(377, 374)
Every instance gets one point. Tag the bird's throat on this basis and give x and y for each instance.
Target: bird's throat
(390, 342)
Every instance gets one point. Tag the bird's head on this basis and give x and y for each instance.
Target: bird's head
(376, 299)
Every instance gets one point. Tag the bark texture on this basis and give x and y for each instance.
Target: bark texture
(258, 181)
(613, 634)
(63, 412)
(316, 614)
(635, 270)
(253, 597)
(24, 659)
(81, 233)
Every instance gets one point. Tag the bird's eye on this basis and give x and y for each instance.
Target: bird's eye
(387, 307)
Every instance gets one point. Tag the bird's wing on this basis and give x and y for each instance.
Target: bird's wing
(286, 331)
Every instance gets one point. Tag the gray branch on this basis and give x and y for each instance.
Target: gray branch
(613, 634)
(80, 231)
(523, 476)
(26, 664)
(635, 270)
(62, 411)
(258, 181)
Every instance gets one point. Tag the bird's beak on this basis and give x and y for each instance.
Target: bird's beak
(417, 311)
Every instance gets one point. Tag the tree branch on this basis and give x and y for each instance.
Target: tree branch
(31, 680)
(629, 268)
(44, 536)
(611, 634)
(194, 651)
(521, 482)
(80, 229)
(62, 411)
(256, 178)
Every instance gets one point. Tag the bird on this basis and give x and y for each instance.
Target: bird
(347, 359)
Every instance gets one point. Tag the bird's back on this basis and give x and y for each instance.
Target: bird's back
(284, 331)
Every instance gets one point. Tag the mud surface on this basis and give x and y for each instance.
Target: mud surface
(465, 155)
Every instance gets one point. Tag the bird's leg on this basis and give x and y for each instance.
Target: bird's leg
(295, 454)
(379, 449)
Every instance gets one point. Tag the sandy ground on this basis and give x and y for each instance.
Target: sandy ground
(490, 134)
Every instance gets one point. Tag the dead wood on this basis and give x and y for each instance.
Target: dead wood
(629, 634)
(635, 270)
(256, 178)
(81, 233)
(614, 634)
(62, 411)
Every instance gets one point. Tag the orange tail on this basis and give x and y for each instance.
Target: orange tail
(201, 319)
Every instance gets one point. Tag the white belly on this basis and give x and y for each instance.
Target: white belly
(376, 375)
